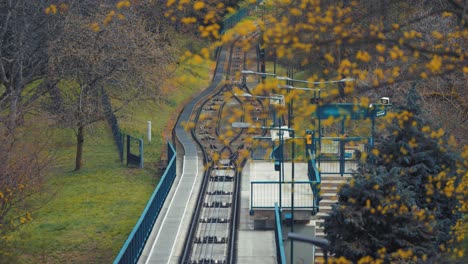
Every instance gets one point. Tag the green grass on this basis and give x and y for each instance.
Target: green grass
(89, 214)
(190, 79)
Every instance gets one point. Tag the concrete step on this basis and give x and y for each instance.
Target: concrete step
(330, 189)
(321, 214)
(319, 233)
(338, 181)
(327, 202)
(334, 177)
(334, 184)
(324, 208)
(329, 194)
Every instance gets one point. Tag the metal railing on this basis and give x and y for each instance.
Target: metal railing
(112, 120)
(135, 242)
(231, 21)
(280, 254)
(264, 194)
(314, 176)
(340, 155)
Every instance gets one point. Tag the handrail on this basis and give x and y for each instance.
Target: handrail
(318, 180)
(259, 188)
(282, 182)
(313, 164)
(133, 246)
(280, 254)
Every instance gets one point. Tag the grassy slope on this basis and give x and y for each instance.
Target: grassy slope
(92, 211)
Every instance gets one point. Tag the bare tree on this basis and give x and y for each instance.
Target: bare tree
(118, 57)
(24, 159)
(24, 32)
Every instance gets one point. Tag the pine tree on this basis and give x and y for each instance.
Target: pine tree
(404, 203)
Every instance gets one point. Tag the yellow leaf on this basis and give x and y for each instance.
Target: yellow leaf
(198, 5)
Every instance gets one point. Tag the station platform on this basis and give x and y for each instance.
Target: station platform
(253, 246)
(256, 237)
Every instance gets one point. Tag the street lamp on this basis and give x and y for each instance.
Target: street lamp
(291, 80)
(324, 82)
(378, 110)
(298, 88)
(257, 73)
(263, 74)
(278, 97)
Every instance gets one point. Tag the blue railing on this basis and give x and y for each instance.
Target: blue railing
(340, 155)
(280, 254)
(135, 243)
(231, 21)
(315, 177)
(264, 194)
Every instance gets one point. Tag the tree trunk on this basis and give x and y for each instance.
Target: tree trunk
(13, 111)
(79, 148)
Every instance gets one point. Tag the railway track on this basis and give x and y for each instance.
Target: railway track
(212, 233)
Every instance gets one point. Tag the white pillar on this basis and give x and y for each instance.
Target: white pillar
(149, 131)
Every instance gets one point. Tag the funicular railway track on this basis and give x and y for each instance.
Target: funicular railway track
(212, 233)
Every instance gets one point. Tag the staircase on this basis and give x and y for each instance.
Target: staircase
(328, 193)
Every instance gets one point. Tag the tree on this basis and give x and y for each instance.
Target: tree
(25, 31)
(24, 154)
(405, 203)
(384, 45)
(375, 217)
(118, 57)
(25, 157)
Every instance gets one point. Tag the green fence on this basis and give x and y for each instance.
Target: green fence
(231, 21)
(131, 250)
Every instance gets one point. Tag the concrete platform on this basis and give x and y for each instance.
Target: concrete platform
(256, 238)
(253, 246)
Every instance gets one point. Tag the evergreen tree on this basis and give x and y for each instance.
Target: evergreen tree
(402, 205)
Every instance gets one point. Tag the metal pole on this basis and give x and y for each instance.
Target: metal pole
(373, 127)
(292, 193)
(281, 172)
(290, 125)
(342, 148)
(289, 83)
(291, 122)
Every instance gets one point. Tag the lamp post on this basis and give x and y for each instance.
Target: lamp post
(278, 97)
(263, 74)
(289, 86)
(378, 110)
